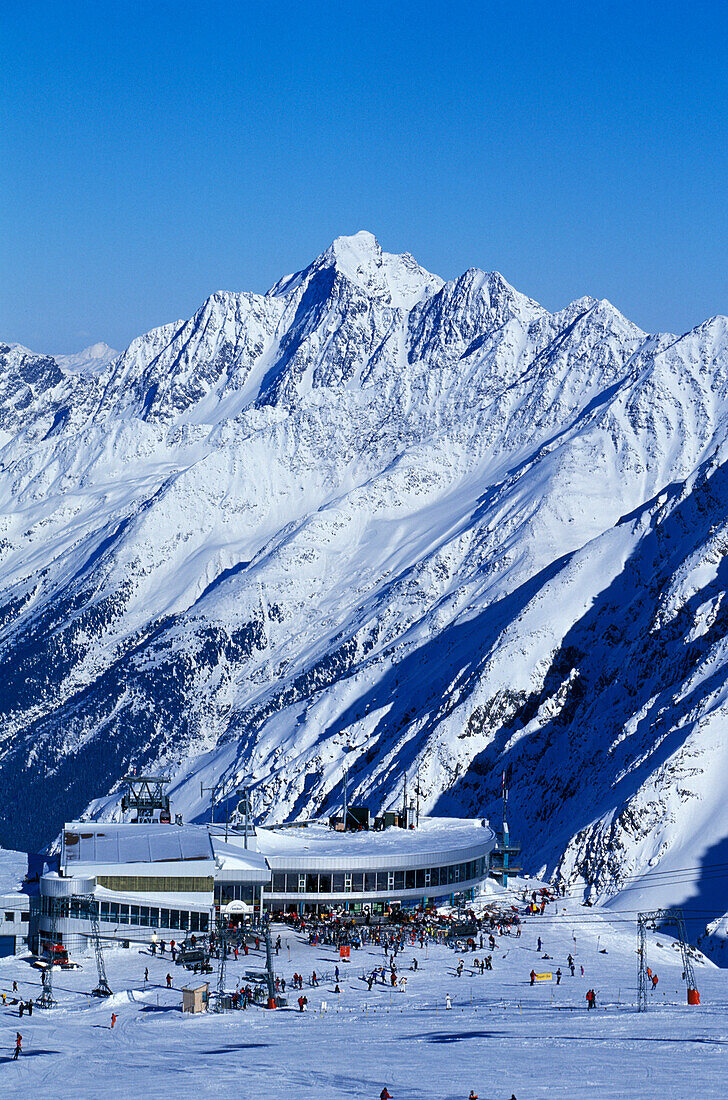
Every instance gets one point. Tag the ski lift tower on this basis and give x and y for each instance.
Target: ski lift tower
(144, 796)
(654, 919)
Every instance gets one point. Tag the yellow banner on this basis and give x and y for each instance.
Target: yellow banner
(544, 977)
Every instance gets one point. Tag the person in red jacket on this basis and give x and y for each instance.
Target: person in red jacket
(533, 976)
(385, 1094)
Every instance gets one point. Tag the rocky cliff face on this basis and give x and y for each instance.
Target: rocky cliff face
(376, 521)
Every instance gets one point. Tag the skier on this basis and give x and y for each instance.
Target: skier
(414, 964)
(558, 976)
(591, 999)
(655, 980)
(169, 981)
(533, 976)
(146, 974)
(113, 1020)
(448, 1003)
(385, 1094)
(473, 1095)
(18, 1045)
(336, 973)
(539, 945)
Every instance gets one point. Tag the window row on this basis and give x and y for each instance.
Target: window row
(150, 917)
(111, 912)
(226, 892)
(143, 884)
(380, 882)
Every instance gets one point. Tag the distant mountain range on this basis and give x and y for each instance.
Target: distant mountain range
(376, 521)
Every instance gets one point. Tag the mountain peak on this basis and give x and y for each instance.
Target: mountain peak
(396, 279)
(92, 358)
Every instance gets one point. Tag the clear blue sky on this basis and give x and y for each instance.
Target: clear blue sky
(152, 153)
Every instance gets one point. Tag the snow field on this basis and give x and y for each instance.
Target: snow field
(501, 1036)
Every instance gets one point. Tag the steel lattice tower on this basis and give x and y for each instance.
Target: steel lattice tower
(651, 919)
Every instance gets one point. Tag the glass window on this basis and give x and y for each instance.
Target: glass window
(450, 872)
(324, 883)
(420, 878)
(370, 881)
(123, 914)
(204, 922)
(279, 882)
(428, 877)
(164, 918)
(312, 884)
(383, 882)
(194, 922)
(409, 880)
(357, 881)
(347, 882)
(337, 883)
(144, 914)
(399, 880)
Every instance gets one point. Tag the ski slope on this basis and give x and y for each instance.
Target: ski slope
(500, 1037)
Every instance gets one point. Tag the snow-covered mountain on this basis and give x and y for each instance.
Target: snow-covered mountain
(378, 521)
(92, 358)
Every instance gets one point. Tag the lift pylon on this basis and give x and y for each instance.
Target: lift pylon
(653, 919)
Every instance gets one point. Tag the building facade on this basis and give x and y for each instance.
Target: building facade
(173, 880)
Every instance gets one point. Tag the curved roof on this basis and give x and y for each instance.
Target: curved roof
(438, 840)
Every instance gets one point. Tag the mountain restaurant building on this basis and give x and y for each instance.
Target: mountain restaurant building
(173, 880)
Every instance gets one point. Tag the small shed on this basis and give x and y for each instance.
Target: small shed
(195, 997)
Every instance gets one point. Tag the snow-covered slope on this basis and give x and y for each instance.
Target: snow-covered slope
(375, 520)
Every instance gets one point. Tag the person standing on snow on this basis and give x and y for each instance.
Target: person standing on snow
(532, 976)
(385, 1094)
(558, 976)
(113, 1020)
(18, 1045)
(448, 1003)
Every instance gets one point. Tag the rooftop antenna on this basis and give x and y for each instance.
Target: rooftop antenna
(346, 806)
(404, 801)
(417, 792)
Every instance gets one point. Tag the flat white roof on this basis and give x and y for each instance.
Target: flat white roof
(437, 840)
(103, 848)
(109, 842)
